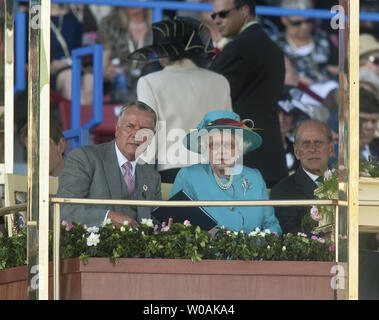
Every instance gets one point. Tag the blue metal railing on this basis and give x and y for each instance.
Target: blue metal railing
(80, 134)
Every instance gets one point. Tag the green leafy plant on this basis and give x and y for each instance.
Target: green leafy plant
(181, 241)
(324, 215)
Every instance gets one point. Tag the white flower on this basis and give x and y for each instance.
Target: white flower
(268, 247)
(241, 231)
(108, 221)
(93, 239)
(328, 174)
(126, 223)
(147, 222)
(257, 230)
(267, 231)
(253, 234)
(235, 233)
(284, 248)
(93, 229)
(228, 232)
(262, 234)
(122, 229)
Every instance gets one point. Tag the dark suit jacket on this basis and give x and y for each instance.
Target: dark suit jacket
(374, 147)
(93, 172)
(298, 186)
(254, 67)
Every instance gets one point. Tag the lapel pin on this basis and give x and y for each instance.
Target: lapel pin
(144, 188)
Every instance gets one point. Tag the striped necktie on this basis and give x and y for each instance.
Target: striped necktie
(128, 177)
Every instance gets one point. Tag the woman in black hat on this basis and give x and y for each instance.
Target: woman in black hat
(182, 92)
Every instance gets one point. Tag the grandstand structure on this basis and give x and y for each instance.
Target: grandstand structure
(348, 206)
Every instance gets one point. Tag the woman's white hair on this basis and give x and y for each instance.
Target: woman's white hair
(204, 143)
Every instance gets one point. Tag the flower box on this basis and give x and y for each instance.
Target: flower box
(180, 279)
(369, 216)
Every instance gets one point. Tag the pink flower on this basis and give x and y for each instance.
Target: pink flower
(276, 234)
(165, 229)
(64, 223)
(187, 223)
(331, 247)
(69, 227)
(315, 214)
(302, 234)
(321, 240)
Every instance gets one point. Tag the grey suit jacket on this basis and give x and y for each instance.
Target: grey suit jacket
(93, 172)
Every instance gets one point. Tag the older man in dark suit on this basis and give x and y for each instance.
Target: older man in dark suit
(111, 171)
(313, 147)
(254, 67)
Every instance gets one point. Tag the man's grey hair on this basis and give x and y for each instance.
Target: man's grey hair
(139, 106)
(325, 127)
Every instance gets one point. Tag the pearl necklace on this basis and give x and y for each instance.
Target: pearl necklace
(223, 186)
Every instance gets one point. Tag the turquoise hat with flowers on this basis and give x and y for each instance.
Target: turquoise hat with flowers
(222, 120)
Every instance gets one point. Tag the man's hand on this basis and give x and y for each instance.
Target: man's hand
(119, 218)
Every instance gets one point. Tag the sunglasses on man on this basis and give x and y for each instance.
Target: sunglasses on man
(300, 22)
(222, 14)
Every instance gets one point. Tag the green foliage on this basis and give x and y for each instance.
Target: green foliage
(370, 168)
(179, 242)
(13, 251)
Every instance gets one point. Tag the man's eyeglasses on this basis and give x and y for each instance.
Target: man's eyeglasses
(300, 22)
(374, 60)
(222, 14)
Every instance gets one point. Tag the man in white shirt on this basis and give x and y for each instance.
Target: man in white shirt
(111, 171)
(313, 147)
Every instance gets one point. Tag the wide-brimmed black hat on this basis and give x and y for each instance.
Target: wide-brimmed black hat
(290, 102)
(177, 38)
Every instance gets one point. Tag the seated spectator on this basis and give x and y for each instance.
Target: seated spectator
(311, 100)
(111, 171)
(313, 147)
(183, 91)
(310, 51)
(290, 111)
(122, 32)
(66, 35)
(368, 118)
(88, 22)
(57, 147)
(369, 53)
(371, 27)
(369, 81)
(223, 139)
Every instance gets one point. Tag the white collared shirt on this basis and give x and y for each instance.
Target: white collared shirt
(311, 175)
(122, 159)
(366, 152)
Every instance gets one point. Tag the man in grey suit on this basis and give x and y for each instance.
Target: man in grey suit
(111, 171)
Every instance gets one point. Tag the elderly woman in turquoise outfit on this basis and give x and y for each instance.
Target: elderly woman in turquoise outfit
(223, 138)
